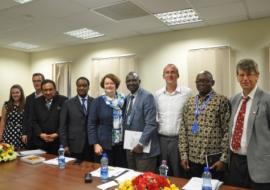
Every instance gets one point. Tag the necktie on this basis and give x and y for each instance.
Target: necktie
(130, 105)
(83, 106)
(238, 131)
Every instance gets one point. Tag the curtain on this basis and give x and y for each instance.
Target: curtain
(120, 66)
(61, 77)
(217, 61)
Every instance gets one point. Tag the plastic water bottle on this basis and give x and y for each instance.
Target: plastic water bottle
(163, 169)
(61, 157)
(104, 170)
(206, 177)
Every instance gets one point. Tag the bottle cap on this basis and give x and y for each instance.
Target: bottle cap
(61, 146)
(206, 169)
(104, 154)
(164, 162)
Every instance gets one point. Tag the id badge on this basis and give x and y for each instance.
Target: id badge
(195, 127)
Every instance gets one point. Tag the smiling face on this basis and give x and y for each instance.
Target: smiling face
(82, 87)
(204, 83)
(247, 80)
(16, 94)
(133, 82)
(170, 74)
(109, 87)
(48, 90)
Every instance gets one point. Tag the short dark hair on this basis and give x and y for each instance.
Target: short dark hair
(111, 76)
(207, 73)
(83, 78)
(39, 74)
(48, 81)
(247, 65)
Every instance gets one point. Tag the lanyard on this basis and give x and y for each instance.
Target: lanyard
(198, 110)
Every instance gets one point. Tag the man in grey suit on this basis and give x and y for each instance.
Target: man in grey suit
(140, 115)
(250, 131)
(73, 123)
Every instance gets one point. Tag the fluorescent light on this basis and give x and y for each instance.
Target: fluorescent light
(84, 33)
(179, 17)
(23, 45)
(22, 1)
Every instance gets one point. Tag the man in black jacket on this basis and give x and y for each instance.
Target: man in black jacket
(46, 117)
(73, 123)
(27, 136)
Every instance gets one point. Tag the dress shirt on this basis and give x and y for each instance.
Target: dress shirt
(212, 136)
(244, 143)
(170, 109)
(85, 102)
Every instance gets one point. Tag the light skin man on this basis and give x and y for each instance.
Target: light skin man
(170, 101)
(37, 79)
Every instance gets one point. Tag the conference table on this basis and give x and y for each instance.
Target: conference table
(18, 175)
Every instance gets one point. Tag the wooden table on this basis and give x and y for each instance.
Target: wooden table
(17, 175)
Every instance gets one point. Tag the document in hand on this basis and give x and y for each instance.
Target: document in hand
(195, 183)
(132, 139)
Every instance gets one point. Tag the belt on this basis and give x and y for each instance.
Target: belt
(242, 157)
(166, 136)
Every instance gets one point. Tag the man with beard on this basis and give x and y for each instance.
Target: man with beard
(46, 116)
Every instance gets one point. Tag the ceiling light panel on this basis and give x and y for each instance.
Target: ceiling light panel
(23, 45)
(22, 1)
(184, 16)
(84, 33)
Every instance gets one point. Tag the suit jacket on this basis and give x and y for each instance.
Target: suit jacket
(73, 124)
(100, 124)
(27, 117)
(143, 118)
(44, 120)
(258, 135)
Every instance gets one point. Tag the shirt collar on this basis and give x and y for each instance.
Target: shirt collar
(177, 90)
(252, 93)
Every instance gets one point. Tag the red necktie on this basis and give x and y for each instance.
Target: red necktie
(238, 131)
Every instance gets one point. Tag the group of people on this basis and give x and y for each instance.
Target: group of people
(231, 136)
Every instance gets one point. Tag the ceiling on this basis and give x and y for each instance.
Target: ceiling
(43, 22)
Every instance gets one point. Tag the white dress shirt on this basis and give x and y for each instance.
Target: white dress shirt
(243, 148)
(169, 109)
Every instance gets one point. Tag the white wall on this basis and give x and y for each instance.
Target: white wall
(248, 39)
(14, 69)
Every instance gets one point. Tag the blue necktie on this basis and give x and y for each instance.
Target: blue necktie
(83, 106)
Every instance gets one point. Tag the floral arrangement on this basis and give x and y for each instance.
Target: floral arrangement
(148, 181)
(7, 152)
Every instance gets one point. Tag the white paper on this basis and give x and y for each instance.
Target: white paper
(54, 161)
(113, 171)
(195, 183)
(30, 152)
(128, 175)
(107, 185)
(132, 139)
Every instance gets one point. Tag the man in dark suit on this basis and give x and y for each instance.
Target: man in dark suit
(46, 117)
(140, 115)
(27, 136)
(73, 123)
(249, 164)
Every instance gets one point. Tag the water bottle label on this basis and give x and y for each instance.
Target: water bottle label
(104, 172)
(206, 188)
